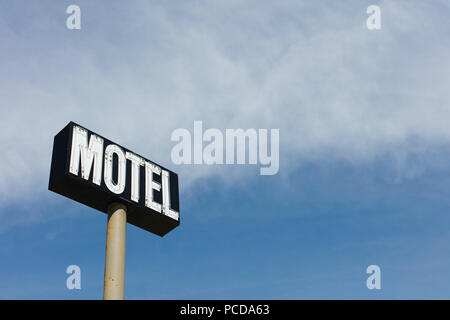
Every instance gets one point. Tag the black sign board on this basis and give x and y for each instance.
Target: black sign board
(95, 171)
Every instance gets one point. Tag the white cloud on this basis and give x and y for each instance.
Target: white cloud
(134, 74)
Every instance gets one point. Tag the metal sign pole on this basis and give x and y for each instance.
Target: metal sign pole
(114, 284)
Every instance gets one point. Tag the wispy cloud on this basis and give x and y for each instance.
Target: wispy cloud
(136, 72)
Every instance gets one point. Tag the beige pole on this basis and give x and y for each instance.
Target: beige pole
(114, 284)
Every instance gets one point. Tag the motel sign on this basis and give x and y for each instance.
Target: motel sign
(97, 172)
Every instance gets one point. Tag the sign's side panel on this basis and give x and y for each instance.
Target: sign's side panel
(174, 196)
(60, 155)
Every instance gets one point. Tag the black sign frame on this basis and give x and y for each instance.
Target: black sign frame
(65, 183)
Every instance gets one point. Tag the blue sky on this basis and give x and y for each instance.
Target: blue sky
(363, 118)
